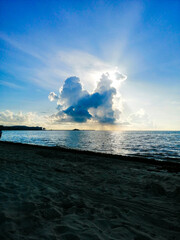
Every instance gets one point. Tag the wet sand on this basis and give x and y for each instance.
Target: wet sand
(55, 193)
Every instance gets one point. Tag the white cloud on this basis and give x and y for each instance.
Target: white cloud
(31, 119)
(120, 76)
(78, 105)
(140, 119)
(52, 96)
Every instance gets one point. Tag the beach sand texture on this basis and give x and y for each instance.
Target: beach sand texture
(50, 193)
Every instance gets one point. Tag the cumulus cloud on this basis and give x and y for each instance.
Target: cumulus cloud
(52, 96)
(10, 117)
(31, 118)
(72, 91)
(78, 105)
(103, 106)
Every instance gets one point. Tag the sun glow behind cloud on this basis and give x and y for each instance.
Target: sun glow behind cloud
(76, 104)
(127, 35)
(59, 65)
(63, 64)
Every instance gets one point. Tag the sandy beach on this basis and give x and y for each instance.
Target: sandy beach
(54, 193)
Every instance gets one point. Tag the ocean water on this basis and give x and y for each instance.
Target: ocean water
(159, 145)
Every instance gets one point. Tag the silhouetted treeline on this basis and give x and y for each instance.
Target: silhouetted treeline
(20, 128)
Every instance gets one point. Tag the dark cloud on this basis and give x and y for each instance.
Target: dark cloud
(80, 106)
(78, 114)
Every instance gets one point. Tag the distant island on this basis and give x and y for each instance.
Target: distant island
(21, 128)
(76, 129)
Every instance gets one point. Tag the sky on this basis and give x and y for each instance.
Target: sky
(103, 65)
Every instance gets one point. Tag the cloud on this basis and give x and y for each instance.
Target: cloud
(52, 96)
(120, 76)
(31, 118)
(15, 118)
(72, 91)
(78, 114)
(140, 119)
(63, 63)
(77, 105)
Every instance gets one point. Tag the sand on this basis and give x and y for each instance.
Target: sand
(50, 193)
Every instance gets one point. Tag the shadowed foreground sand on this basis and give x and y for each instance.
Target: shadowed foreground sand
(50, 193)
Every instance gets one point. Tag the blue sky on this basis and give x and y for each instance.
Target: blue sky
(44, 42)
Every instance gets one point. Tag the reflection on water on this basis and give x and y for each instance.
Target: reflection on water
(159, 145)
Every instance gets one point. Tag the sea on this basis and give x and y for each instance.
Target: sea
(158, 145)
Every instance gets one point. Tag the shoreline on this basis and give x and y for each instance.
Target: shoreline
(58, 193)
(165, 164)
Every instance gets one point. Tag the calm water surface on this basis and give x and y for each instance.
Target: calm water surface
(163, 145)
